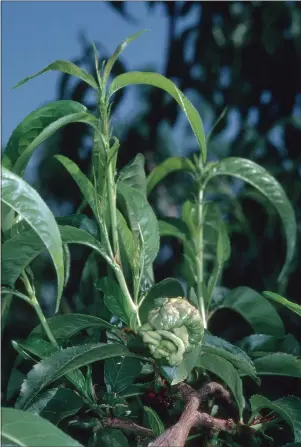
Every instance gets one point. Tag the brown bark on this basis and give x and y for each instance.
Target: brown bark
(176, 435)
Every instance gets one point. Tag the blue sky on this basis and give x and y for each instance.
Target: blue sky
(37, 33)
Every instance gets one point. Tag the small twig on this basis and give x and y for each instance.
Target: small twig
(127, 425)
(176, 435)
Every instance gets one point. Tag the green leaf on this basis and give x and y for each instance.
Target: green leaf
(260, 179)
(172, 164)
(121, 47)
(255, 309)
(72, 235)
(238, 358)
(278, 364)
(40, 125)
(176, 374)
(62, 362)
(20, 428)
(154, 422)
(14, 384)
(159, 81)
(80, 221)
(142, 218)
(279, 299)
(113, 297)
(86, 187)
(133, 174)
(225, 371)
(36, 346)
(56, 404)
(20, 196)
(127, 240)
(19, 251)
(65, 67)
(288, 408)
(63, 327)
(258, 345)
(120, 372)
(110, 438)
(173, 227)
(41, 348)
(223, 250)
(168, 288)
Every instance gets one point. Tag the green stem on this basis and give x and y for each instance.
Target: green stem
(35, 304)
(129, 306)
(111, 186)
(199, 257)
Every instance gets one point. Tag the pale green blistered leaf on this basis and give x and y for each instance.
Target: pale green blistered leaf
(225, 371)
(142, 220)
(20, 196)
(159, 81)
(133, 174)
(222, 348)
(168, 288)
(19, 251)
(86, 187)
(65, 67)
(63, 327)
(63, 362)
(40, 125)
(113, 297)
(279, 299)
(260, 179)
(120, 372)
(173, 227)
(278, 364)
(121, 47)
(255, 309)
(288, 408)
(154, 422)
(168, 166)
(56, 404)
(20, 428)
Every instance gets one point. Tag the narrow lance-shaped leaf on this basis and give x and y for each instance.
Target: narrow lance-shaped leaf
(159, 81)
(20, 428)
(65, 67)
(121, 47)
(260, 179)
(141, 217)
(19, 251)
(62, 362)
(172, 164)
(133, 174)
(20, 196)
(294, 307)
(84, 184)
(63, 327)
(40, 125)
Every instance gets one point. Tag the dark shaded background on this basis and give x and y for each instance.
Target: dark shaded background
(243, 55)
